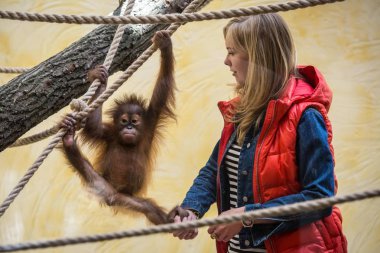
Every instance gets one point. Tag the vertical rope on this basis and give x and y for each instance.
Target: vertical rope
(111, 52)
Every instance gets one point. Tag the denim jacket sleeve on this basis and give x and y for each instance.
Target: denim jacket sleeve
(316, 175)
(202, 194)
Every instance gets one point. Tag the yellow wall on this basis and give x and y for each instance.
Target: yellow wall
(342, 40)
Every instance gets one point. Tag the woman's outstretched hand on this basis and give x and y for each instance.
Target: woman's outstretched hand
(183, 215)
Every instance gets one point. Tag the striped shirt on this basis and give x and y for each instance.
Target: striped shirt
(231, 164)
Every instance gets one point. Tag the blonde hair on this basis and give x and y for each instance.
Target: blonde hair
(267, 41)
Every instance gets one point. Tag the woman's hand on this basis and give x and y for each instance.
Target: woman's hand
(224, 232)
(185, 234)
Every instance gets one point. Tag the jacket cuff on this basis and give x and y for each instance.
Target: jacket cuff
(193, 206)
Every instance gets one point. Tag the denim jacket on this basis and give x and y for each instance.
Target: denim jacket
(313, 154)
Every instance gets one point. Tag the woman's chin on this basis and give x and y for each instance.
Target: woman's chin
(238, 86)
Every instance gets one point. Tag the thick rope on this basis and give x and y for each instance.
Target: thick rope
(129, 71)
(12, 70)
(291, 209)
(162, 18)
(36, 137)
(77, 104)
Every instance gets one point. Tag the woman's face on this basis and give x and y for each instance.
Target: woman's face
(238, 63)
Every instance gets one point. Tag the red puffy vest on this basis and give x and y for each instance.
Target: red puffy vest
(275, 170)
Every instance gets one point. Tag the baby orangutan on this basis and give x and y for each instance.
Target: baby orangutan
(127, 144)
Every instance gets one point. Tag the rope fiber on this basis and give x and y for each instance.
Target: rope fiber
(166, 18)
(13, 70)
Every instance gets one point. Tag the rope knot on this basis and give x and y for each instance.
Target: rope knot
(78, 105)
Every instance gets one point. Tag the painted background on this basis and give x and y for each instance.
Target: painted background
(342, 40)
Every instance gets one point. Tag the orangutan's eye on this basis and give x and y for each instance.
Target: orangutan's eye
(123, 121)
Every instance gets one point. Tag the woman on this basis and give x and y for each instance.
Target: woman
(275, 148)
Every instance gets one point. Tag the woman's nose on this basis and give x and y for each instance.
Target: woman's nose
(227, 61)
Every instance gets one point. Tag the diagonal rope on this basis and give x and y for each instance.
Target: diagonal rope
(36, 137)
(161, 18)
(12, 70)
(285, 210)
(80, 115)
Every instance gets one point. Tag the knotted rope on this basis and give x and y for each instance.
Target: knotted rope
(162, 18)
(82, 114)
(296, 208)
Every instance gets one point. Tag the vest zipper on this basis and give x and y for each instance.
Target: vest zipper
(257, 162)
